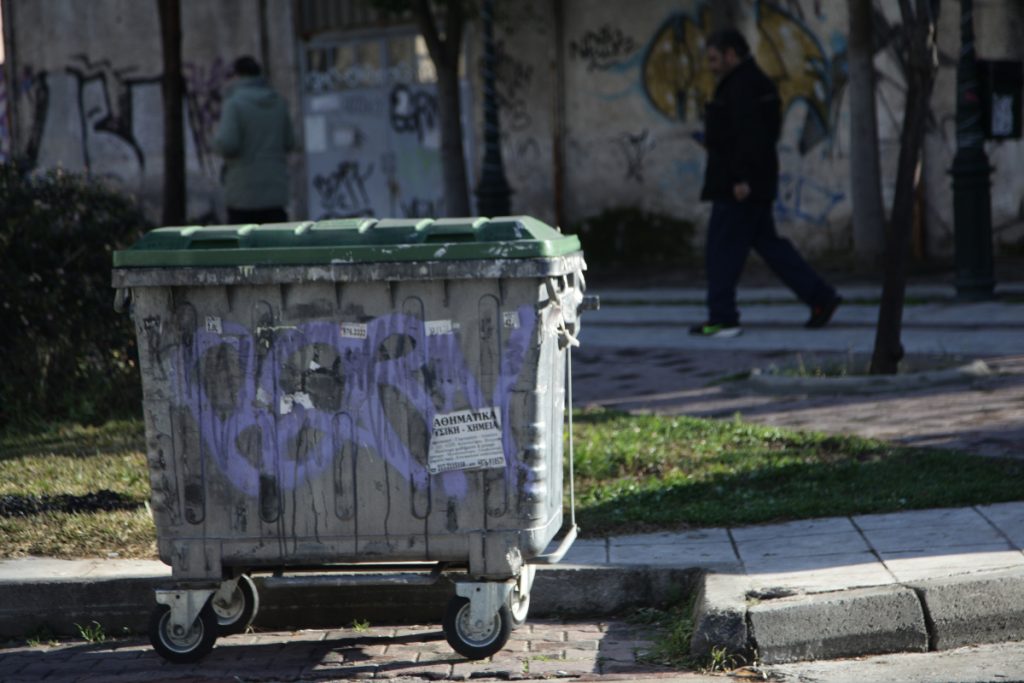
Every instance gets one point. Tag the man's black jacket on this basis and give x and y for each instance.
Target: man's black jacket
(742, 127)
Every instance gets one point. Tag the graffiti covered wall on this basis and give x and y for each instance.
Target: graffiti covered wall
(525, 46)
(89, 98)
(636, 85)
(636, 88)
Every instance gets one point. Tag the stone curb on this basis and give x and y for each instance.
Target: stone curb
(984, 608)
(871, 384)
(847, 623)
(936, 614)
(928, 615)
(124, 603)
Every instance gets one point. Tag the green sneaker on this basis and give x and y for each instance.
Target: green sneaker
(717, 331)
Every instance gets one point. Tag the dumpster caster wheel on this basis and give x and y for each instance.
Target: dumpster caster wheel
(183, 648)
(236, 611)
(475, 641)
(519, 597)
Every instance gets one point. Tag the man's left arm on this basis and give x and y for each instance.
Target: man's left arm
(228, 140)
(756, 122)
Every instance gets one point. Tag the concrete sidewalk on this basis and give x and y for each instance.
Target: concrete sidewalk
(904, 582)
(825, 588)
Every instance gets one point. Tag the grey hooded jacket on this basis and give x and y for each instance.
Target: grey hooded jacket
(254, 137)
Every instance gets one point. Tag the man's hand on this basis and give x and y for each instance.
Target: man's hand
(741, 191)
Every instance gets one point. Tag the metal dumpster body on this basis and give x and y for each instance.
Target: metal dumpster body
(343, 399)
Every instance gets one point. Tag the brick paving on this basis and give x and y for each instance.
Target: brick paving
(541, 649)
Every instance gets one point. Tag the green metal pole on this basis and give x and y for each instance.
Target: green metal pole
(972, 204)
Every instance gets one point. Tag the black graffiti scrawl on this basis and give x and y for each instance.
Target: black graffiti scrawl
(342, 193)
(602, 49)
(116, 117)
(413, 111)
(635, 148)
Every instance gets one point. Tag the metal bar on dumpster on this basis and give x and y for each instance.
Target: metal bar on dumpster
(355, 579)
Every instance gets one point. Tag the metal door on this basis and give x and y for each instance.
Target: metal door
(372, 128)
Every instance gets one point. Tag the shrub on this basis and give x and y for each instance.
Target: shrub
(628, 238)
(65, 353)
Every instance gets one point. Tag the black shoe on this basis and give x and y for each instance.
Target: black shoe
(820, 315)
(716, 330)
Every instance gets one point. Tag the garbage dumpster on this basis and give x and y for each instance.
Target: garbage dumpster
(321, 398)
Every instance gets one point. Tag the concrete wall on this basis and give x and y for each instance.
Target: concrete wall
(587, 90)
(628, 138)
(526, 81)
(626, 141)
(86, 86)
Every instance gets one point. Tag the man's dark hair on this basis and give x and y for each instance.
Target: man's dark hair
(729, 38)
(246, 66)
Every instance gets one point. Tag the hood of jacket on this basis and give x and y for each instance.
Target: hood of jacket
(253, 90)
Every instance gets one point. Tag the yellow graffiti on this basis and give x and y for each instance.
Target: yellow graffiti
(789, 54)
(675, 75)
(679, 83)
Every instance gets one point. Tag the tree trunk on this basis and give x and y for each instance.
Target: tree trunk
(920, 70)
(174, 130)
(456, 184)
(445, 55)
(865, 168)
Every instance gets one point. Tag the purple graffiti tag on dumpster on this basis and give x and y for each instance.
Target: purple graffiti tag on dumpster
(267, 405)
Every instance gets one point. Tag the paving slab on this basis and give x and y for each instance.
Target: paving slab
(1008, 518)
(694, 554)
(920, 565)
(934, 538)
(843, 572)
(804, 527)
(838, 543)
(810, 563)
(918, 518)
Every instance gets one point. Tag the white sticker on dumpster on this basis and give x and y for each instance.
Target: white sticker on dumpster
(354, 330)
(214, 325)
(436, 328)
(466, 440)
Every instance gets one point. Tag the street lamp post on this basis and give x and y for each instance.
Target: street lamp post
(492, 194)
(972, 204)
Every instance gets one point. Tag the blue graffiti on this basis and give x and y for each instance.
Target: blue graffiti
(802, 198)
(281, 418)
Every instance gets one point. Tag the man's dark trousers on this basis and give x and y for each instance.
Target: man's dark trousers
(734, 229)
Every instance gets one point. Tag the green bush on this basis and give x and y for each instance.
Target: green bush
(628, 238)
(65, 353)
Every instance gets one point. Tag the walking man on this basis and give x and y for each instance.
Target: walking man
(742, 127)
(254, 137)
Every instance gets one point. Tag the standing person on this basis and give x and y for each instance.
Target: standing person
(742, 126)
(254, 137)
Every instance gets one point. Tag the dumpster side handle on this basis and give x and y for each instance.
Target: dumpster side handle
(556, 555)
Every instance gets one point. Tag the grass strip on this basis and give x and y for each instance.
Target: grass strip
(634, 473)
(645, 473)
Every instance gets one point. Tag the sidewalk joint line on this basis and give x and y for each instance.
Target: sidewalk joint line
(874, 551)
(736, 551)
(998, 530)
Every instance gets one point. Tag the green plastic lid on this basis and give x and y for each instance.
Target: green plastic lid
(356, 240)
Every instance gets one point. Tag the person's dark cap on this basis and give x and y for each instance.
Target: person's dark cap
(246, 66)
(729, 38)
